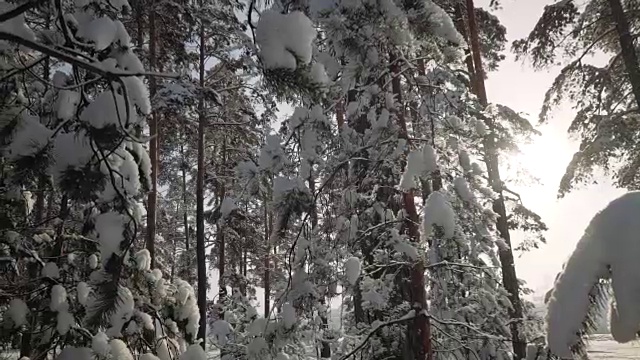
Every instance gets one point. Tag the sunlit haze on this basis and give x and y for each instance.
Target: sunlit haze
(518, 86)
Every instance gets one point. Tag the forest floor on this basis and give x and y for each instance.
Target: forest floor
(604, 347)
(601, 347)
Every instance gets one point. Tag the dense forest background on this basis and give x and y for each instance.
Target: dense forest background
(339, 164)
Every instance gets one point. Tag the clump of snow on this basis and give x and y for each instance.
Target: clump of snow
(64, 322)
(413, 169)
(462, 188)
(288, 315)
(476, 169)
(100, 31)
(58, 298)
(221, 330)
(194, 352)
(256, 347)
(465, 161)
(51, 270)
(608, 248)
(352, 269)
(441, 23)
(285, 39)
(83, 290)
(165, 348)
(143, 161)
(42, 237)
(128, 61)
(109, 228)
(29, 138)
(119, 350)
(381, 121)
(375, 293)
(227, 206)
(257, 326)
(93, 261)
(148, 356)
(454, 122)
(108, 108)
(318, 73)
(145, 319)
(187, 306)
(481, 128)
(67, 104)
(283, 185)
(272, 156)
(438, 211)
(138, 93)
(143, 260)
(70, 150)
(17, 312)
(122, 36)
(100, 344)
(430, 159)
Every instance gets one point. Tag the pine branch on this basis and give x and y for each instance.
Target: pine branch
(75, 61)
(19, 10)
(410, 316)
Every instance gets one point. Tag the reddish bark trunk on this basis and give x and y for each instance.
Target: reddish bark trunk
(421, 336)
(153, 143)
(509, 276)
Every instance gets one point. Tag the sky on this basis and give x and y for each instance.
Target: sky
(517, 85)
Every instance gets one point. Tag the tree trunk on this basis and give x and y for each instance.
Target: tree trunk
(222, 289)
(461, 26)
(325, 347)
(420, 336)
(267, 261)
(153, 142)
(200, 245)
(184, 199)
(627, 47)
(340, 113)
(509, 277)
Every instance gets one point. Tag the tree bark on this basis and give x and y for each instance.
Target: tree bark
(267, 261)
(200, 245)
(152, 198)
(185, 219)
(509, 276)
(461, 26)
(340, 113)
(420, 336)
(627, 47)
(222, 289)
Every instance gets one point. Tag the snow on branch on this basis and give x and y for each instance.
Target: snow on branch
(609, 248)
(409, 316)
(110, 74)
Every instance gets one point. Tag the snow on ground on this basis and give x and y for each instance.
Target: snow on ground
(604, 347)
(601, 347)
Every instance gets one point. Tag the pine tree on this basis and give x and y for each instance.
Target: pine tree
(98, 295)
(603, 95)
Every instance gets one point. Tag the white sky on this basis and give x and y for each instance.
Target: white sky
(518, 86)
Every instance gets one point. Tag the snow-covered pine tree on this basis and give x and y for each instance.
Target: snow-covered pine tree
(94, 295)
(605, 109)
